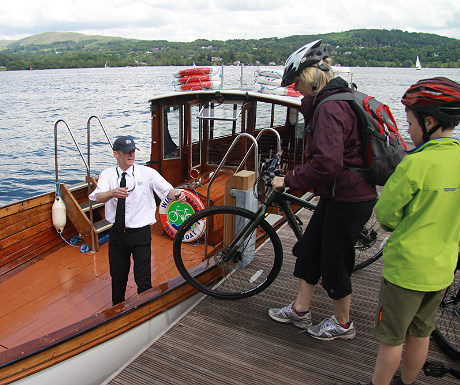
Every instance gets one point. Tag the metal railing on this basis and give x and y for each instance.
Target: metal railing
(87, 163)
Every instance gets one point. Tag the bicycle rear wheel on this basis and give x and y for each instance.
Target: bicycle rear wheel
(212, 270)
(369, 247)
(447, 332)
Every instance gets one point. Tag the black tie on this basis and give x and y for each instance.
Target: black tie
(120, 214)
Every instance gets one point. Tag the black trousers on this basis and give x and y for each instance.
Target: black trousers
(121, 245)
(326, 249)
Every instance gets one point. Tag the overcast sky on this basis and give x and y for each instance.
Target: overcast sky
(178, 20)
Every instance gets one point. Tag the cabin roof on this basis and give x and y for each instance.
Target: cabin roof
(237, 94)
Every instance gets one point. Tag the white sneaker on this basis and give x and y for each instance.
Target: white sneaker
(288, 315)
(330, 329)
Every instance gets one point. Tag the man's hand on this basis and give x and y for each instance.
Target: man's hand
(177, 195)
(120, 192)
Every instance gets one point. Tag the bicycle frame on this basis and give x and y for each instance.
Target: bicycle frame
(238, 236)
(284, 200)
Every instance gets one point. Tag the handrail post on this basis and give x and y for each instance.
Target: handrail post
(243, 134)
(263, 131)
(226, 156)
(56, 154)
(55, 146)
(88, 176)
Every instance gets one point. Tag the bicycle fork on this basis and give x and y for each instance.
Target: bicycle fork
(244, 235)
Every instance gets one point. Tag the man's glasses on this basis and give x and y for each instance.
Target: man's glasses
(133, 177)
(134, 186)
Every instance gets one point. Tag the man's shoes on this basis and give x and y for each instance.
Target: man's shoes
(330, 329)
(288, 315)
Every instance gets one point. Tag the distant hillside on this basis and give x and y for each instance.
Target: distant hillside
(4, 43)
(363, 47)
(47, 38)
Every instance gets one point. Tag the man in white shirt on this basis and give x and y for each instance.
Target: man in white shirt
(130, 188)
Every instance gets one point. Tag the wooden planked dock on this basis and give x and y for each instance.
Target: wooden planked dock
(235, 342)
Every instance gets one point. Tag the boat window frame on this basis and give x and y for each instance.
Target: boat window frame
(180, 108)
(215, 110)
(200, 137)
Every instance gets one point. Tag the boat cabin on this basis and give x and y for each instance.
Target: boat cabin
(192, 132)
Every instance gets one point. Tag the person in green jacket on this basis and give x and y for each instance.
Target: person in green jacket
(420, 205)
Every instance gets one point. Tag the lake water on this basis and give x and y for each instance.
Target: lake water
(32, 101)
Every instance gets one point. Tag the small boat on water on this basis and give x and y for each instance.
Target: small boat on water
(418, 65)
(57, 324)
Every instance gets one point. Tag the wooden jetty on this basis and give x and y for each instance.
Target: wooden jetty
(235, 342)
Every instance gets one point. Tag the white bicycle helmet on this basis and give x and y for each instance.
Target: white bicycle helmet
(306, 56)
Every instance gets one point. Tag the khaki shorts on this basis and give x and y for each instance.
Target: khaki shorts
(403, 311)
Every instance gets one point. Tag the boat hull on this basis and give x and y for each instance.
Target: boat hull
(98, 364)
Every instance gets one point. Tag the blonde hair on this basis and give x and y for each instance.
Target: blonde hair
(317, 77)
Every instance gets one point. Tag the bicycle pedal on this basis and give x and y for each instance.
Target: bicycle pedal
(434, 369)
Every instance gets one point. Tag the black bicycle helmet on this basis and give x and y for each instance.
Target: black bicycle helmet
(438, 97)
(308, 56)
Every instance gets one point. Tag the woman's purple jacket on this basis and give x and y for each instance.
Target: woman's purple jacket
(333, 144)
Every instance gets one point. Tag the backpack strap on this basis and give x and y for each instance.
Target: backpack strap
(349, 97)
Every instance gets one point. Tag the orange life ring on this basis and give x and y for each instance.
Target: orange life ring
(197, 71)
(173, 213)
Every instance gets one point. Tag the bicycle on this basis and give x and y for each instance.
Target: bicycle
(243, 248)
(447, 331)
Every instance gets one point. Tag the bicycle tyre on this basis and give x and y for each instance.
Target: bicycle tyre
(369, 247)
(447, 331)
(255, 269)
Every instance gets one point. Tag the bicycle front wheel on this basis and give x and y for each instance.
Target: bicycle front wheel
(214, 267)
(369, 247)
(447, 332)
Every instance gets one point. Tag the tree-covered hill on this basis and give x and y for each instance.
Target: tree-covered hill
(363, 47)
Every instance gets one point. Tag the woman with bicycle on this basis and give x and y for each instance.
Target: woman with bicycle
(326, 249)
(419, 205)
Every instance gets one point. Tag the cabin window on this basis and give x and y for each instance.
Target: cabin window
(299, 126)
(224, 124)
(197, 136)
(264, 115)
(221, 135)
(172, 128)
(271, 115)
(279, 115)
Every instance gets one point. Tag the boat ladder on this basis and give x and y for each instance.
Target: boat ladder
(79, 209)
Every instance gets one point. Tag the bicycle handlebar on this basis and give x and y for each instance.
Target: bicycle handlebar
(275, 161)
(270, 167)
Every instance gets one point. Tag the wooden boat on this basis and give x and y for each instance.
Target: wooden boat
(56, 321)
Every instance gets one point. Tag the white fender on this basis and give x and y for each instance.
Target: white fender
(58, 213)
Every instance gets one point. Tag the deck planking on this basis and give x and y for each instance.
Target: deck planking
(235, 342)
(67, 286)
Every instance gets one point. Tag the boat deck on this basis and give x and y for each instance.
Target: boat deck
(67, 286)
(235, 342)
